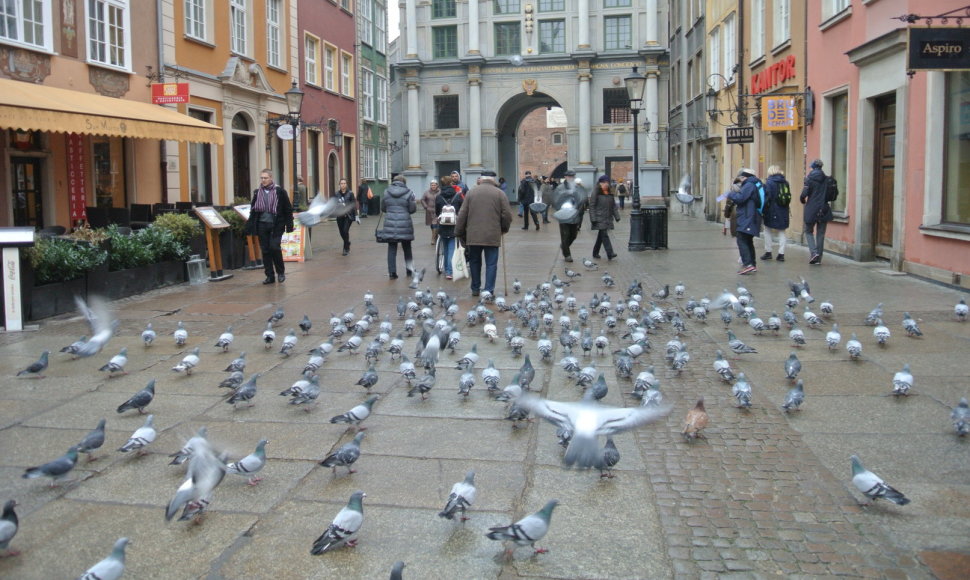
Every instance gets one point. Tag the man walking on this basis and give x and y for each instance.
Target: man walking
(364, 195)
(270, 216)
(569, 201)
(484, 216)
(528, 192)
(817, 211)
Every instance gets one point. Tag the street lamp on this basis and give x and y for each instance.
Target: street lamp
(635, 83)
(294, 102)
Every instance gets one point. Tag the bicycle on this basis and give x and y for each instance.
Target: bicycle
(439, 255)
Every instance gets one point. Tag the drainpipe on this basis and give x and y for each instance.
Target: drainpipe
(162, 144)
(739, 38)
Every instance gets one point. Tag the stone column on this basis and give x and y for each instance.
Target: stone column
(585, 133)
(473, 27)
(582, 7)
(414, 127)
(652, 105)
(411, 18)
(474, 119)
(650, 32)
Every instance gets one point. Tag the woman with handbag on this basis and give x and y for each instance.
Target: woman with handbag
(428, 203)
(447, 205)
(602, 213)
(397, 205)
(347, 213)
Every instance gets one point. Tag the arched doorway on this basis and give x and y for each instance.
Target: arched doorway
(333, 173)
(242, 138)
(526, 126)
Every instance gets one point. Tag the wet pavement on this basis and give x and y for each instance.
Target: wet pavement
(765, 495)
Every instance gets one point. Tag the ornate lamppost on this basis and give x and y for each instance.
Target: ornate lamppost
(635, 83)
(294, 102)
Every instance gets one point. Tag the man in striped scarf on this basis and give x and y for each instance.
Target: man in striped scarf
(270, 215)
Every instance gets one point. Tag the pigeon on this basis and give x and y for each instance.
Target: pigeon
(357, 414)
(624, 366)
(610, 457)
(73, 348)
(795, 397)
(961, 417)
(465, 383)
(244, 392)
(225, 339)
(589, 264)
(723, 368)
(527, 531)
(572, 273)
(854, 347)
(189, 362)
(652, 397)
(681, 358)
(148, 335)
(308, 393)
(588, 421)
(874, 315)
(9, 524)
(289, 343)
(139, 400)
(346, 455)
(663, 292)
(112, 567)
(92, 441)
(276, 316)
(406, 368)
(527, 374)
(742, 392)
(206, 471)
(833, 337)
(368, 379)
(416, 278)
(316, 360)
(56, 469)
(117, 363)
(352, 344)
(141, 438)
(234, 379)
(102, 325)
(238, 364)
(185, 453)
(696, 421)
(397, 570)
(797, 336)
(738, 346)
(424, 384)
(37, 368)
(516, 286)
(306, 325)
(468, 362)
(910, 326)
(801, 290)
(462, 496)
(343, 530)
(811, 319)
(491, 376)
(872, 486)
(881, 332)
(793, 366)
(598, 389)
(902, 381)
(181, 335)
(608, 280)
(645, 380)
(960, 311)
(320, 208)
(251, 464)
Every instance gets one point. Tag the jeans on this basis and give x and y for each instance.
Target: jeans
(622, 199)
(567, 235)
(603, 238)
(523, 208)
(545, 215)
(770, 234)
(392, 257)
(449, 253)
(475, 267)
(364, 206)
(269, 245)
(746, 249)
(343, 225)
(815, 237)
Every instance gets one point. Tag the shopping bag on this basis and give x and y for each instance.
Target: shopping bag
(459, 267)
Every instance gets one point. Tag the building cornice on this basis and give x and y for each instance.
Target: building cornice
(879, 47)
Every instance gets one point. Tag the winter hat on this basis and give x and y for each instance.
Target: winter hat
(603, 179)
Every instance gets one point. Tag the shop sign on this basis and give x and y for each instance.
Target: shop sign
(779, 114)
(939, 48)
(740, 135)
(773, 75)
(168, 93)
(76, 189)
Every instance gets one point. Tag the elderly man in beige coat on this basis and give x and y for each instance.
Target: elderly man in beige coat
(484, 216)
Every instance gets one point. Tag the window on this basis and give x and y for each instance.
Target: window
(380, 22)
(757, 29)
(381, 104)
(347, 74)
(781, 29)
(364, 12)
(617, 33)
(367, 90)
(714, 52)
(837, 129)
(329, 64)
(370, 162)
(443, 9)
(552, 5)
(27, 23)
(108, 30)
(382, 163)
(730, 46)
(273, 52)
(311, 56)
(446, 112)
(956, 164)
(557, 139)
(616, 3)
(195, 16)
(237, 26)
(345, 4)
(552, 36)
(444, 42)
(506, 7)
(616, 106)
(832, 7)
(108, 155)
(200, 165)
(507, 38)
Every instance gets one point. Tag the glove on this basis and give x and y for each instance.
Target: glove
(289, 229)
(357, 218)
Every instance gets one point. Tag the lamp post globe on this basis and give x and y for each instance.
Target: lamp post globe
(635, 84)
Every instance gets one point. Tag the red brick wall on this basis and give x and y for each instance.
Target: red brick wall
(536, 150)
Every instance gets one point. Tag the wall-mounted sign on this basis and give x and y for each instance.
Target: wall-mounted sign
(740, 135)
(285, 132)
(939, 48)
(779, 114)
(168, 93)
(76, 185)
(773, 75)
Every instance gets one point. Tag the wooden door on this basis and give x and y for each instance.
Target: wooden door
(28, 208)
(884, 179)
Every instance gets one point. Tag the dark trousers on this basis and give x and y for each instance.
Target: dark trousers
(269, 245)
(603, 239)
(364, 206)
(567, 235)
(746, 249)
(622, 199)
(475, 267)
(392, 256)
(343, 225)
(815, 237)
(525, 216)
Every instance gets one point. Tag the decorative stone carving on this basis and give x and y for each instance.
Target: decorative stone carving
(249, 75)
(108, 83)
(445, 88)
(24, 65)
(530, 86)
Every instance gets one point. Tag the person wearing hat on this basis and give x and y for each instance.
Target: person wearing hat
(485, 215)
(528, 194)
(570, 201)
(817, 211)
(746, 203)
(457, 182)
(602, 213)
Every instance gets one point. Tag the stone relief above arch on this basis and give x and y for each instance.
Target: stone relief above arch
(250, 76)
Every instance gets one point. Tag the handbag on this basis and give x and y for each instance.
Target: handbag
(459, 266)
(379, 233)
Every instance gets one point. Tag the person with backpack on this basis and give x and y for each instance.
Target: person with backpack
(747, 213)
(621, 192)
(528, 192)
(815, 197)
(775, 211)
(447, 205)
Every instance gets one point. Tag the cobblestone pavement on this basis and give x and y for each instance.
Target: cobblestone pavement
(765, 495)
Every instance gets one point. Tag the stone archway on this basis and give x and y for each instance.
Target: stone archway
(507, 125)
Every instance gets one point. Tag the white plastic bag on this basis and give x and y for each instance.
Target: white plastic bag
(459, 267)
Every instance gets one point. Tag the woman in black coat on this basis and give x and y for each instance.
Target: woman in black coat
(270, 215)
(775, 214)
(817, 211)
(602, 213)
(398, 204)
(448, 196)
(346, 213)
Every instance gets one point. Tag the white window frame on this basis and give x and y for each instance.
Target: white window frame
(714, 51)
(757, 43)
(311, 59)
(367, 93)
(380, 25)
(380, 102)
(365, 11)
(730, 46)
(196, 18)
(239, 19)
(329, 67)
(274, 44)
(100, 33)
(781, 27)
(346, 74)
(20, 23)
(370, 164)
(382, 155)
(831, 8)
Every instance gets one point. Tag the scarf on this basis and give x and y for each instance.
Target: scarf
(266, 199)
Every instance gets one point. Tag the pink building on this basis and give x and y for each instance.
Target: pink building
(898, 143)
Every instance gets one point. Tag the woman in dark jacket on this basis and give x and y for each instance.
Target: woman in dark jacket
(398, 204)
(270, 215)
(347, 213)
(602, 213)
(748, 219)
(775, 215)
(446, 233)
(817, 211)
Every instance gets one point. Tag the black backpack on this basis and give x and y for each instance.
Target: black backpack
(831, 189)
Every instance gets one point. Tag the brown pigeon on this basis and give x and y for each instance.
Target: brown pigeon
(696, 421)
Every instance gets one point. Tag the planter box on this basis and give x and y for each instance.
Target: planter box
(53, 299)
(124, 283)
(233, 250)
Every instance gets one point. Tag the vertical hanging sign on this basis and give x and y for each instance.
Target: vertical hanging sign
(77, 193)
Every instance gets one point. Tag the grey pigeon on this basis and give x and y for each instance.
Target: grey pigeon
(961, 417)
(73, 348)
(37, 368)
(185, 453)
(527, 373)
(423, 385)
(117, 363)
(139, 400)
(611, 456)
(237, 364)
(269, 335)
(527, 531)
(102, 325)
(92, 441)
(206, 471)
(795, 397)
(180, 335)
(723, 368)
(346, 455)
(357, 414)
(251, 464)
(903, 381)
(793, 366)
(910, 325)
(598, 389)
(234, 379)
(738, 346)
(462, 496)
(742, 391)
(397, 570)
(589, 264)
(148, 335)
(470, 359)
(244, 392)
(343, 530)
(465, 383)
(491, 375)
(189, 362)
(289, 342)
(9, 524)
(56, 470)
(307, 394)
(872, 486)
(320, 208)
(416, 278)
(874, 315)
(225, 339)
(276, 316)
(142, 437)
(854, 347)
(112, 567)
(306, 325)
(368, 379)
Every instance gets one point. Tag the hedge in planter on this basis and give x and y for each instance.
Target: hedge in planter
(61, 260)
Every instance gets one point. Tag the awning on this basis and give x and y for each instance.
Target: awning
(31, 107)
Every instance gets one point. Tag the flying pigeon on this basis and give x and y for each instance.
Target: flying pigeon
(346, 455)
(189, 362)
(185, 453)
(320, 209)
(139, 400)
(56, 469)
(357, 414)
(872, 486)
(38, 367)
(112, 567)
(142, 437)
(181, 335)
(795, 397)
(961, 417)
(206, 471)
(92, 441)
(343, 530)
(902, 381)
(461, 498)
(73, 348)
(244, 392)
(148, 335)
(251, 464)
(9, 525)
(910, 326)
(695, 422)
(527, 531)
(306, 325)
(102, 325)
(225, 339)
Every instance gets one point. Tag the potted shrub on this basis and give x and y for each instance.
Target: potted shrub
(58, 270)
(185, 228)
(233, 240)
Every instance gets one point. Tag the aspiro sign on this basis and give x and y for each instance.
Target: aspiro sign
(939, 49)
(773, 75)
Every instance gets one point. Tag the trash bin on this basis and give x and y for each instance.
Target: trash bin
(655, 224)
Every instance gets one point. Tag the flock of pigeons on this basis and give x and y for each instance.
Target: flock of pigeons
(535, 314)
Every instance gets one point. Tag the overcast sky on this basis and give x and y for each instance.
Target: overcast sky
(393, 12)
